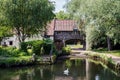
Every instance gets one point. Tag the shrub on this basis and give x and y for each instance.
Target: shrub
(35, 46)
(38, 47)
(15, 61)
(48, 45)
(66, 50)
(11, 51)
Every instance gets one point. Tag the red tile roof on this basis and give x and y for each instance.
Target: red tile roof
(64, 25)
(60, 25)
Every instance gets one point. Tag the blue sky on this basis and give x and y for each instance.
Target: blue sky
(59, 5)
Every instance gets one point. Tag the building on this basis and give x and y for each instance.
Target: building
(61, 31)
(64, 32)
(13, 40)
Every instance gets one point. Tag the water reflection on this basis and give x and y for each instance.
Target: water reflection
(78, 70)
(97, 77)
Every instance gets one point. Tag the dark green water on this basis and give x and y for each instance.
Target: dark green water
(78, 70)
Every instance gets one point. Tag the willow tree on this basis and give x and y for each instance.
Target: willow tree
(101, 15)
(27, 17)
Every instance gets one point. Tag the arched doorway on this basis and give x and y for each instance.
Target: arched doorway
(75, 43)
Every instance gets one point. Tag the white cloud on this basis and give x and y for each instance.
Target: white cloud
(59, 5)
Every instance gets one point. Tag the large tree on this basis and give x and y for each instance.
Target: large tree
(61, 15)
(98, 19)
(26, 17)
(5, 32)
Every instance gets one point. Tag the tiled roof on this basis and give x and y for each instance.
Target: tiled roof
(60, 25)
(64, 25)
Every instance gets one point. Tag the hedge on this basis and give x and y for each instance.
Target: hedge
(39, 47)
(34, 45)
(11, 52)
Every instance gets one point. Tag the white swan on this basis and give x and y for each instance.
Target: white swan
(66, 71)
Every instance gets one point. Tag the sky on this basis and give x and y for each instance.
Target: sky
(59, 5)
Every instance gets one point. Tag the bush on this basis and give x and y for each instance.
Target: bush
(35, 46)
(11, 51)
(48, 45)
(66, 50)
(15, 61)
(38, 47)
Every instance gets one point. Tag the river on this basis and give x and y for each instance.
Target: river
(78, 70)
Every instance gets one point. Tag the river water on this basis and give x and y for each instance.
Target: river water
(78, 70)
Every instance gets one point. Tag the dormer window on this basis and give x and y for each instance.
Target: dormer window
(75, 29)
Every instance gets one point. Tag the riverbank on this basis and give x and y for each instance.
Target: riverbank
(26, 60)
(110, 60)
(15, 61)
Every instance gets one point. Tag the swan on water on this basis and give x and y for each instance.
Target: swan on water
(66, 71)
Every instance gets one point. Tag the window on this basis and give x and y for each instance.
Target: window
(11, 43)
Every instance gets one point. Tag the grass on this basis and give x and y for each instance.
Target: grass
(75, 46)
(113, 52)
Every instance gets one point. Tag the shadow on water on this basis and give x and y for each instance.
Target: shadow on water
(78, 70)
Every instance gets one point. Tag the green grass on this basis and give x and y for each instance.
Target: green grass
(75, 46)
(113, 52)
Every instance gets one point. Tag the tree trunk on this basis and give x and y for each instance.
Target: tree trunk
(108, 43)
(84, 43)
(21, 36)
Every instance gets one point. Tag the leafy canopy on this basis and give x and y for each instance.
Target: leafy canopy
(97, 17)
(27, 17)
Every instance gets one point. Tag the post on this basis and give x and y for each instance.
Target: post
(63, 41)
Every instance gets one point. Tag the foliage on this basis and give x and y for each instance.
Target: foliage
(68, 63)
(39, 47)
(97, 19)
(4, 32)
(61, 15)
(26, 17)
(10, 56)
(35, 46)
(66, 50)
(104, 51)
(15, 61)
(92, 36)
(11, 52)
(49, 46)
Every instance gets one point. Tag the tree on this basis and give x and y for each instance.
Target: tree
(61, 15)
(5, 32)
(103, 15)
(27, 17)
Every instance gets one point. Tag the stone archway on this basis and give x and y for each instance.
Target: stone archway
(77, 43)
(62, 37)
(74, 41)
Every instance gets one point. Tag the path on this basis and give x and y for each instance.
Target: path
(76, 54)
(81, 53)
